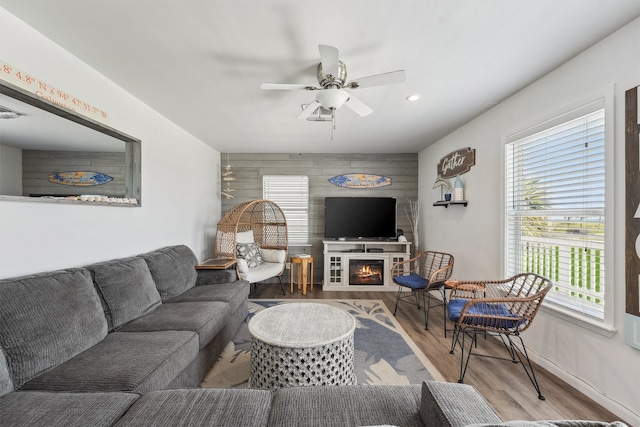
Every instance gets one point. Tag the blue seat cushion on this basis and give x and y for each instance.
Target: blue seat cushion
(412, 281)
(482, 310)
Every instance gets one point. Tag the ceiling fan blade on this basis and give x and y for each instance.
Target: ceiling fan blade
(329, 59)
(389, 78)
(309, 110)
(278, 86)
(358, 106)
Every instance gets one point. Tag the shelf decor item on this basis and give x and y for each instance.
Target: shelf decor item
(445, 187)
(458, 190)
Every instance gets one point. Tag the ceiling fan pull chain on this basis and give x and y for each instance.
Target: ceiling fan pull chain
(333, 122)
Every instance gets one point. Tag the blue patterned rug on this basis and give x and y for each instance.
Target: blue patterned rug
(384, 353)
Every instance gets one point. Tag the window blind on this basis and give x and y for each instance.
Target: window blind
(555, 208)
(291, 193)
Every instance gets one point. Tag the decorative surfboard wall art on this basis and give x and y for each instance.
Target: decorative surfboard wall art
(360, 180)
(80, 178)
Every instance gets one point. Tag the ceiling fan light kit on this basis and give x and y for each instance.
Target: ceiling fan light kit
(332, 77)
(332, 99)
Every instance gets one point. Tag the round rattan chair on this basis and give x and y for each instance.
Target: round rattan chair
(268, 225)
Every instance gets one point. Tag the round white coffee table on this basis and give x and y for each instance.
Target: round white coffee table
(301, 344)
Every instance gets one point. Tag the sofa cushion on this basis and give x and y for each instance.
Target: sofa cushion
(232, 293)
(250, 252)
(42, 409)
(205, 318)
(126, 287)
(6, 385)
(352, 405)
(554, 423)
(173, 269)
(124, 361)
(454, 405)
(46, 319)
(200, 407)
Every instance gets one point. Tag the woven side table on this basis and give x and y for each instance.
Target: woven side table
(302, 344)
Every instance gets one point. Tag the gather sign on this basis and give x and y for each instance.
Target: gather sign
(457, 162)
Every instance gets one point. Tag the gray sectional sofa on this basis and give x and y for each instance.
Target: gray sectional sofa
(127, 342)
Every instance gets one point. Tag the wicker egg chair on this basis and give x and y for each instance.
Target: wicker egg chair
(269, 226)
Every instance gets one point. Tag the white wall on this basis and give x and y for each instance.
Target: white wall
(180, 176)
(602, 367)
(10, 171)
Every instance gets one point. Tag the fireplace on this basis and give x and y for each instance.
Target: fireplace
(366, 272)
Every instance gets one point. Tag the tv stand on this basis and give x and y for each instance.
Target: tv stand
(338, 253)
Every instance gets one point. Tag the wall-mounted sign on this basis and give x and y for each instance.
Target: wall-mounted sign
(31, 84)
(632, 220)
(360, 180)
(457, 162)
(80, 178)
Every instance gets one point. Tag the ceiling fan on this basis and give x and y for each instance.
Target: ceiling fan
(332, 82)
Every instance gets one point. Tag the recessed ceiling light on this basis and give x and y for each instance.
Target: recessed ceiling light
(413, 97)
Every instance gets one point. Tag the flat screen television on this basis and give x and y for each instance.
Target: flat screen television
(360, 217)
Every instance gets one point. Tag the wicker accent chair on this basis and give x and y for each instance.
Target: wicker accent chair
(501, 308)
(256, 234)
(423, 274)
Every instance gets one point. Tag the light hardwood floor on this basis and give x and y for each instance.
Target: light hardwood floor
(504, 384)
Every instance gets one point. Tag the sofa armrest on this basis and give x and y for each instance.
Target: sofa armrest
(215, 277)
(454, 405)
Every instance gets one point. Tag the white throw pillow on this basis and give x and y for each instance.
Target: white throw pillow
(242, 265)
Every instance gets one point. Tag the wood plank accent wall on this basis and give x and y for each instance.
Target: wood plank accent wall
(248, 170)
(37, 165)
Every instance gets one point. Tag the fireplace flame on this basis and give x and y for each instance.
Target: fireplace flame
(366, 271)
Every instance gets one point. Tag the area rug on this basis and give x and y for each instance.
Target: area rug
(384, 353)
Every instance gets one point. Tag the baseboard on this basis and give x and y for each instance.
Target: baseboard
(625, 413)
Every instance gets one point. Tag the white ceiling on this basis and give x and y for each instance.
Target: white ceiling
(200, 63)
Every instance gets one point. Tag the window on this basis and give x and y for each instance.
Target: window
(555, 208)
(291, 193)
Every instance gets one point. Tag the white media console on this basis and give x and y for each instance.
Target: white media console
(361, 265)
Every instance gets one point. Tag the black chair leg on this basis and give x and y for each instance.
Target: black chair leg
(281, 285)
(397, 300)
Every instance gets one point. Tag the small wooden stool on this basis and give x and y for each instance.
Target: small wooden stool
(305, 268)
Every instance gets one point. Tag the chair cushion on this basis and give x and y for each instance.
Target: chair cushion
(412, 281)
(245, 237)
(173, 269)
(134, 362)
(273, 255)
(262, 272)
(482, 310)
(127, 288)
(250, 252)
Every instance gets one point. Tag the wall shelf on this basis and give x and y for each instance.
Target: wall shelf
(446, 204)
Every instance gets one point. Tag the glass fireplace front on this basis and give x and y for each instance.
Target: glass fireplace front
(366, 272)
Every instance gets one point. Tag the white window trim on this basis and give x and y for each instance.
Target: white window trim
(605, 327)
